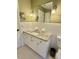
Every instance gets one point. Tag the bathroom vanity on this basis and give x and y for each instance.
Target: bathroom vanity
(38, 42)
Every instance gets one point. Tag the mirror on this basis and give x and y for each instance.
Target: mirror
(46, 11)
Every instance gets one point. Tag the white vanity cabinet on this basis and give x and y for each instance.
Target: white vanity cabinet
(39, 45)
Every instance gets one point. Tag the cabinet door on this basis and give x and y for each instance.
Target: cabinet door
(30, 41)
(34, 43)
(43, 48)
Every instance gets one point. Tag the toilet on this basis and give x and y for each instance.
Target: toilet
(58, 54)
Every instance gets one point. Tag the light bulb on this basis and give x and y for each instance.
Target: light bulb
(31, 14)
(53, 11)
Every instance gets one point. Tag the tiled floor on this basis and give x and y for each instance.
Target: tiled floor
(26, 53)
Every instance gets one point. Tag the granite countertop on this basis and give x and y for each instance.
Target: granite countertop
(44, 36)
